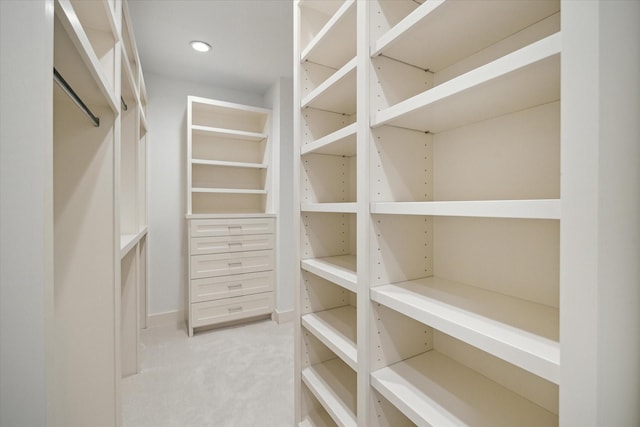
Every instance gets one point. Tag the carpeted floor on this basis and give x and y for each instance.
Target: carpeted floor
(240, 376)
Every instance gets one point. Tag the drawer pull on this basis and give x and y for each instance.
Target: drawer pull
(235, 244)
(235, 309)
(235, 265)
(235, 286)
(236, 228)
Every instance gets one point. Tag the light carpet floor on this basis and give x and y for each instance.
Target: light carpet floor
(240, 376)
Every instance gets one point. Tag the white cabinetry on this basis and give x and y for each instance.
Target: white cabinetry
(230, 213)
(99, 197)
(429, 279)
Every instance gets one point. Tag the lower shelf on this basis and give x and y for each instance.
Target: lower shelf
(333, 383)
(336, 328)
(317, 419)
(432, 389)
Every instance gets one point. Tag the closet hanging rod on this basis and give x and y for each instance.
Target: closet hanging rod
(74, 97)
(124, 104)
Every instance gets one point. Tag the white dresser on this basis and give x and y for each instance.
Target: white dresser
(231, 263)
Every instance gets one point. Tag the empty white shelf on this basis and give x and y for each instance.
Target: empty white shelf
(523, 79)
(227, 133)
(336, 328)
(317, 419)
(129, 241)
(337, 93)
(340, 269)
(531, 209)
(228, 164)
(335, 43)
(227, 190)
(339, 143)
(432, 389)
(483, 22)
(346, 207)
(334, 385)
(518, 331)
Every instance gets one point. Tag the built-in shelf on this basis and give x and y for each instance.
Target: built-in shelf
(72, 24)
(432, 389)
(334, 44)
(129, 241)
(317, 419)
(339, 143)
(227, 133)
(337, 93)
(523, 79)
(229, 164)
(227, 190)
(484, 24)
(333, 383)
(530, 209)
(336, 328)
(346, 207)
(340, 269)
(520, 332)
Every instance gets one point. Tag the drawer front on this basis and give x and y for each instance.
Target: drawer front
(231, 226)
(214, 245)
(212, 288)
(230, 263)
(211, 312)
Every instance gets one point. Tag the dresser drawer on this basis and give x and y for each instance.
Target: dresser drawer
(230, 263)
(231, 226)
(211, 312)
(214, 245)
(212, 288)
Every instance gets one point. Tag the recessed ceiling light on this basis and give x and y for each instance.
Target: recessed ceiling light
(200, 46)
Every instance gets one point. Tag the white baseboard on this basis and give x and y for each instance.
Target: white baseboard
(283, 316)
(164, 319)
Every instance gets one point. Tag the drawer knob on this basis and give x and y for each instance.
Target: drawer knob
(235, 286)
(235, 309)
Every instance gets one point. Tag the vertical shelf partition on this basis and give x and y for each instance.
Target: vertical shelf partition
(462, 181)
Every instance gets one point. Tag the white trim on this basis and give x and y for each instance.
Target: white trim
(165, 319)
(281, 317)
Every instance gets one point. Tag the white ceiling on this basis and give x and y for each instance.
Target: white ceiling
(251, 39)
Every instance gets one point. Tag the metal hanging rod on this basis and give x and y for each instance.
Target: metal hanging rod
(75, 98)
(124, 104)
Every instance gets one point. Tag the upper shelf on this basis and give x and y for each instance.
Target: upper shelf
(76, 24)
(521, 332)
(339, 143)
(335, 43)
(228, 133)
(529, 209)
(523, 79)
(340, 269)
(337, 93)
(340, 207)
(227, 115)
(458, 29)
(229, 164)
(432, 389)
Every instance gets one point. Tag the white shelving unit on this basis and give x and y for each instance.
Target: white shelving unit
(444, 306)
(99, 197)
(230, 212)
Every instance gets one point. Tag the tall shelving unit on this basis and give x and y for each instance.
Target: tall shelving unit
(231, 210)
(99, 219)
(448, 184)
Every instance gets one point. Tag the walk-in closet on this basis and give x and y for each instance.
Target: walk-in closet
(314, 213)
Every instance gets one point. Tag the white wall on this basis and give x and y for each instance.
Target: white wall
(280, 99)
(167, 203)
(26, 211)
